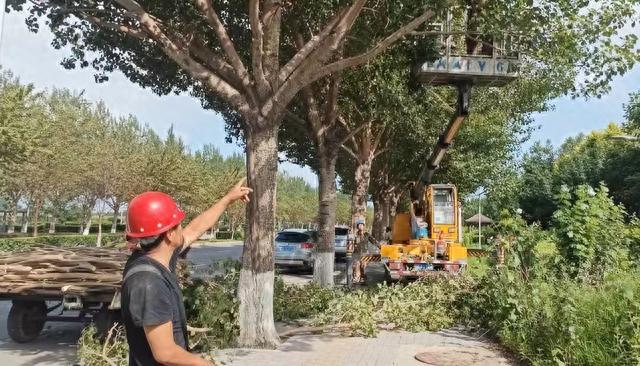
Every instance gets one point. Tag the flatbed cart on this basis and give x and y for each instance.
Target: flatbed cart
(30, 312)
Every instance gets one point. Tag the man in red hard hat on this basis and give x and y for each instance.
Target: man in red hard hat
(152, 306)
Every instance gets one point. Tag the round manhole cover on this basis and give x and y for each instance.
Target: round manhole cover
(450, 356)
(434, 359)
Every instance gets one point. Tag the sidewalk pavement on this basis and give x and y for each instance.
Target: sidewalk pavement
(446, 348)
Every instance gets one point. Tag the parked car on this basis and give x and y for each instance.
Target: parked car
(342, 233)
(295, 248)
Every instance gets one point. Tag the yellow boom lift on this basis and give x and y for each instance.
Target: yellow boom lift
(472, 59)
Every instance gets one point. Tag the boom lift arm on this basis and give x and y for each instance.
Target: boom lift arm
(445, 140)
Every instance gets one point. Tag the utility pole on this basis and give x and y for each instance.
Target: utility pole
(479, 223)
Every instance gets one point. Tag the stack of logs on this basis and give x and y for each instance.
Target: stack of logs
(53, 270)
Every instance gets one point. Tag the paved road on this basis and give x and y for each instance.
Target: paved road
(56, 345)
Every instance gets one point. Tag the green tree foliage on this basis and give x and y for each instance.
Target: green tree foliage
(537, 187)
(91, 155)
(20, 109)
(590, 228)
(632, 113)
(567, 296)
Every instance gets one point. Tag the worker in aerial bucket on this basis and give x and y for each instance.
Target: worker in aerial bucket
(152, 306)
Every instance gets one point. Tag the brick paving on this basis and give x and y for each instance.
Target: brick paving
(387, 349)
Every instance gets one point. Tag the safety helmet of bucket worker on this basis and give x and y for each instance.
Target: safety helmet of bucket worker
(151, 214)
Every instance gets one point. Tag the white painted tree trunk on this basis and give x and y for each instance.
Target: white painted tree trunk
(87, 226)
(114, 223)
(99, 238)
(255, 289)
(12, 220)
(25, 221)
(328, 202)
(52, 224)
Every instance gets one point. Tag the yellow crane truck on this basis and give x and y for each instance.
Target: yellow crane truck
(440, 250)
(409, 255)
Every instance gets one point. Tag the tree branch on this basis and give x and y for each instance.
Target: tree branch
(299, 78)
(378, 138)
(183, 59)
(206, 7)
(352, 133)
(136, 33)
(271, 42)
(346, 126)
(219, 65)
(380, 152)
(257, 47)
(294, 117)
(373, 52)
(350, 152)
(309, 47)
(447, 106)
(313, 111)
(331, 106)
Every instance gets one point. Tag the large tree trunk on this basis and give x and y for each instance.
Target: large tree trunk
(328, 202)
(255, 290)
(393, 206)
(378, 226)
(114, 223)
(360, 192)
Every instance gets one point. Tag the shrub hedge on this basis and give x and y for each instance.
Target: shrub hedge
(21, 243)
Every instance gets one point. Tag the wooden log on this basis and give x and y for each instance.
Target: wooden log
(15, 268)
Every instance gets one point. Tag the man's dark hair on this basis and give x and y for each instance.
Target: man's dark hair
(149, 243)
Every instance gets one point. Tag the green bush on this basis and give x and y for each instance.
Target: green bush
(15, 244)
(560, 321)
(292, 302)
(590, 230)
(213, 304)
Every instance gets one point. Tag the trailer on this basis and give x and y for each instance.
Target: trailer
(29, 313)
(53, 284)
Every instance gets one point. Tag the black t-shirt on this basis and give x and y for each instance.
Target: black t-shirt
(147, 300)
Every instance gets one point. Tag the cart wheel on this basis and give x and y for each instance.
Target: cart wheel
(26, 320)
(104, 320)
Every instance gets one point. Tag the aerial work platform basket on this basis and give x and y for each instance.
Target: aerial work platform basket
(466, 56)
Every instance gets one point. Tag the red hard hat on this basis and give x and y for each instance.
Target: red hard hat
(151, 214)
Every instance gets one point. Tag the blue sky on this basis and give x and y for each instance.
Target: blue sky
(31, 57)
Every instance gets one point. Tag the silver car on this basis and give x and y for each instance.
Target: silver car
(295, 248)
(342, 233)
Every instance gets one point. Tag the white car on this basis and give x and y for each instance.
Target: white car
(295, 248)
(342, 234)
